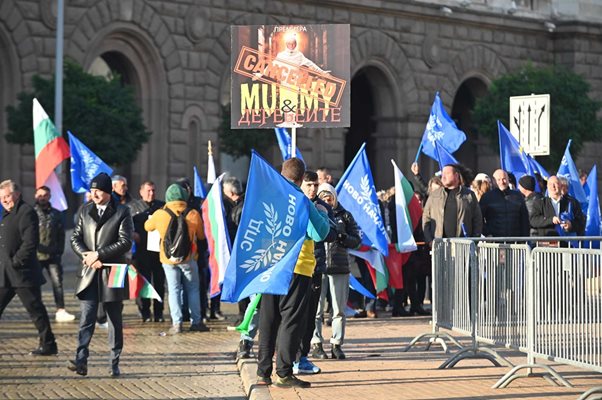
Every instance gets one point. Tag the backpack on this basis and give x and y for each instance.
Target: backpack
(176, 243)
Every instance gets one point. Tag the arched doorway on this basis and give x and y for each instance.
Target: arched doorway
(471, 151)
(362, 117)
(373, 121)
(129, 53)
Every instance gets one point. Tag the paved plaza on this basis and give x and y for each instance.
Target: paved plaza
(201, 365)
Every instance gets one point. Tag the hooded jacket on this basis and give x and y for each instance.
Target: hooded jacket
(160, 221)
(348, 237)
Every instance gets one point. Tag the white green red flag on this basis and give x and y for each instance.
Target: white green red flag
(407, 212)
(117, 275)
(139, 286)
(216, 232)
(50, 150)
(378, 270)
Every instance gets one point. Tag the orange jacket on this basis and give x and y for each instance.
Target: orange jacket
(160, 221)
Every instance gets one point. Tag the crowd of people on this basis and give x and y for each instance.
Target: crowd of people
(112, 227)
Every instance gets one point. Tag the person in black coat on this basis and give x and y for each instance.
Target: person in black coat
(102, 235)
(504, 211)
(147, 262)
(548, 212)
(526, 185)
(20, 272)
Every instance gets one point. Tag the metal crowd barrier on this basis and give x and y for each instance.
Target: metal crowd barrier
(527, 294)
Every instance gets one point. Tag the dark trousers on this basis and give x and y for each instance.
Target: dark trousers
(281, 319)
(31, 297)
(150, 267)
(55, 272)
(312, 307)
(87, 323)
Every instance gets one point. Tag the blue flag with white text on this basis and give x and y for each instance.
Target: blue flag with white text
(569, 171)
(440, 128)
(286, 145)
(357, 194)
(443, 156)
(199, 187)
(272, 230)
(85, 165)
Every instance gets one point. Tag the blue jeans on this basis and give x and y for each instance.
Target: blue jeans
(180, 276)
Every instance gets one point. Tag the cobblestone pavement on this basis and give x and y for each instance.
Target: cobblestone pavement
(377, 368)
(189, 365)
(201, 365)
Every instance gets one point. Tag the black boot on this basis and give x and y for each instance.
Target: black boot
(318, 351)
(244, 349)
(419, 311)
(337, 352)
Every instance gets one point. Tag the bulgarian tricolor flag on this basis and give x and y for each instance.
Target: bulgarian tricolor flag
(408, 212)
(377, 268)
(50, 150)
(139, 286)
(218, 240)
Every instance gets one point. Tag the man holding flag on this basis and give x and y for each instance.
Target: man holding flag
(101, 235)
(283, 316)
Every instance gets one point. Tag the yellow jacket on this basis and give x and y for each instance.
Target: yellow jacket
(160, 221)
(307, 261)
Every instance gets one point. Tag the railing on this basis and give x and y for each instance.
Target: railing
(520, 294)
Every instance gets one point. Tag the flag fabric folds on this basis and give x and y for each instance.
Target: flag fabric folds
(138, 286)
(376, 263)
(358, 287)
(442, 129)
(50, 150)
(408, 211)
(85, 165)
(592, 224)
(210, 167)
(50, 147)
(218, 240)
(199, 187)
(285, 144)
(443, 156)
(117, 275)
(57, 200)
(271, 232)
(357, 194)
(569, 171)
(514, 159)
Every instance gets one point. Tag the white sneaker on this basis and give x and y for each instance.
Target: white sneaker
(63, 316)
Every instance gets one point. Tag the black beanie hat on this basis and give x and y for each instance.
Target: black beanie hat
(527, 182)
(102, 182)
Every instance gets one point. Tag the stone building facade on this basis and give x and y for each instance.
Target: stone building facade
(176, 55)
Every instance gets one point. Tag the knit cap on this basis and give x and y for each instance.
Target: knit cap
(176, 192)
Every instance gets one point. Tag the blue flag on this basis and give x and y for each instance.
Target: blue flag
(285, 144)
(199, 187)
(440, 128)
(592, 224)
(358, 287)
(443, 156)
(569, 171)
(357, 194)
(512, 156)
(272, 230)
(85, 165)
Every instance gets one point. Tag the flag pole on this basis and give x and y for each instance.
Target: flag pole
(293, 142)
(418, 152)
